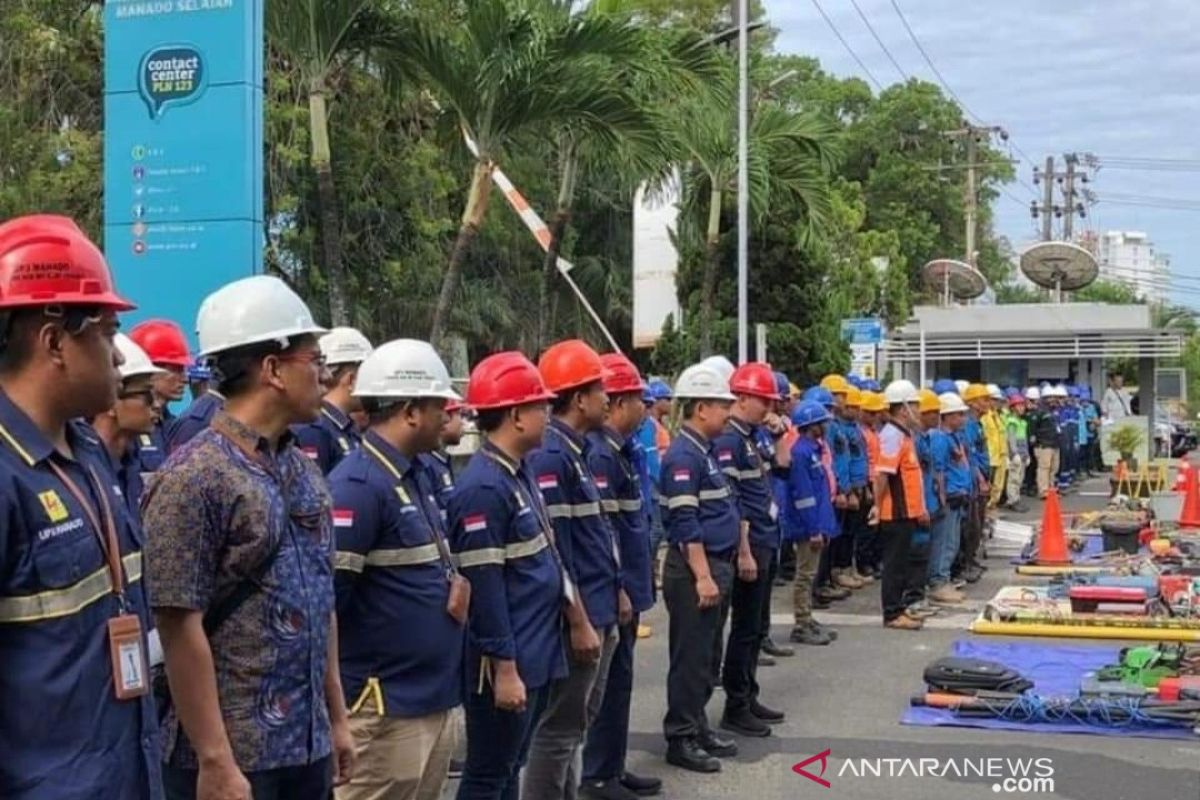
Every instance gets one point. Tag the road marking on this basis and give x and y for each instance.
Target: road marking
(944, 621)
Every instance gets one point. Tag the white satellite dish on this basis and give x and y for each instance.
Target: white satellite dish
(954, 279)
(1060, 266)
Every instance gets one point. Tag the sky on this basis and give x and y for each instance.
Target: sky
(1116, 78)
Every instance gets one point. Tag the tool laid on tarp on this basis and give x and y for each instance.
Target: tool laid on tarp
(973, 675)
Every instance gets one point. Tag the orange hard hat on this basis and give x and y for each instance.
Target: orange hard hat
(570, 364)
(620, 375)
(756, 379)
(163, 341)
(47, 260)
(503, 380)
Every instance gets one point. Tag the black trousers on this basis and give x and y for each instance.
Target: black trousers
(918, 567)
(841, 549)
(824, 569)
(866, 539)
(694, 642)
(972, 534)
(787, 563)
(896, 538)
(773, 574)
(306, 782)
(739, 677)
(608, 737)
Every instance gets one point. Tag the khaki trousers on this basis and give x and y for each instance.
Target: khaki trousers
(398, 758)
(999, 482)
(807, 561)
(1047, 469)
(1016, 477)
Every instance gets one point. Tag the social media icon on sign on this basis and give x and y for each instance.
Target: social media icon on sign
(139, 173)
(139, 229)
(138, 152)
(139, 211)
(139, 247)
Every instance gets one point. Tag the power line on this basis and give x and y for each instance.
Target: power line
(846, 45)
(878, 40)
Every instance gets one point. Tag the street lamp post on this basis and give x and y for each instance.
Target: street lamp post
(743, 181)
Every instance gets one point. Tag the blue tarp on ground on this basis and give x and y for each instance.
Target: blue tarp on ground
(1056, 671)
(1092, 547)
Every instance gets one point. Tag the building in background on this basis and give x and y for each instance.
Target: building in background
(1129, 257)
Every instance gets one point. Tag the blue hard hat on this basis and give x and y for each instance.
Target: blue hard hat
(657, 389)
(1085, 392)
(819, 394)
(809, 413)
(1073, 391)
(944, 385)
(854, 381)
(199, 372)
(783, 387)
(872, 385)
(1012, 391)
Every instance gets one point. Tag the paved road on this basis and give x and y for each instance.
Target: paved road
(849, 697)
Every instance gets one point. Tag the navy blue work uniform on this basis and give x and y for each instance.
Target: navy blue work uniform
(500, 531)
(128, 471)
(739, 454)
(329, 439)
(699, 509)
(197, 417)
(152, 447)
(613, 461)
(393, 573)
(63, 732)
(441, 476)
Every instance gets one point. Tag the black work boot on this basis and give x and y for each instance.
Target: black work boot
(641, 785)
(611, 789)
(717, 745)
(744, 723)
(766, 714)
(778, 651)
(688, 754)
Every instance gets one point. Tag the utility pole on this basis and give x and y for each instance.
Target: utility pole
(741, 19)
(1070, 206)
(974, 136)
(1047, 207)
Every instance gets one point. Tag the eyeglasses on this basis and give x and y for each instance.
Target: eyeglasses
(146, 395)
(307, 356)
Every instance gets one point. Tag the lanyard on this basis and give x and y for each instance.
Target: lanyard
(401, 492)
(106, 534)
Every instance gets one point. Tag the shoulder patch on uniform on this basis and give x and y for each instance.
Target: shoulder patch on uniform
(682, 475)
(343, 518)
(53, 505)
(549, 481)
(601, 481)
(475, 522)
(724, 455)
(310, 453)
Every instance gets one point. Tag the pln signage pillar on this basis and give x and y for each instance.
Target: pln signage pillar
(183, 152)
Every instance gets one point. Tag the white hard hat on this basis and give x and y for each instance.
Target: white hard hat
(404, 368)
(994, 392)
(252, 311)
(1032, 393)
(702, 382)
(136, 360)
(344, 346)
(951, 403)
(961, 385)
(901, 391)
(1058, 390)
(721, 364)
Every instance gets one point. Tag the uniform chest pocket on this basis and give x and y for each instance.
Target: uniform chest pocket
(526, 524)
(67, 559)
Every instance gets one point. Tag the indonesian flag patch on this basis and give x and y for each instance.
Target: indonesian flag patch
(547, 481)
(343, 518)
(724, 455)
(601, 481)
(310, 452)
(476, 522)
(683, 475)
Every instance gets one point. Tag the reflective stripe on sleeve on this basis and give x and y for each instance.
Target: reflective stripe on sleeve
(573, 511)
(629, 505)
(714, 494)
(403, 556)
(498, 555)
(806, 502)
(71, 600)
(610, 506)
(349, 561)
(682, 501)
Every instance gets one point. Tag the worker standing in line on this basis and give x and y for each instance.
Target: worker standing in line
(703, 529)
(858, 468)
(334, 435)
(395, 573)
(786, 572)
(590, 552)
(979, 403)
(72, 600)
(748, 473)
(165, 344)
(826, 591)
(240, 561)
(199, 376)
(952, 474)
(845, 501)
(996, 437)
(194, 419)
(614, 457)
(654, 437)
(918, 602)
(1017, 429)
(867, 552)
(1033, 412)
(501, 532)
(133, 416)
(900, 495)
(808, 518)
(775, 438)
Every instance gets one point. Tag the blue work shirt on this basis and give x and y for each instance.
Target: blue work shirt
(837, 436)
(696, 499)
(924, 443)
(1087, 414)
(808, 508)
(214, 514)
(63, 733)
(976, 442)
(197, 417)
(499, 528)
(441, 477)
(611, 460)
(152, 447)
(393, 575)
(329, 439)
(586, 541)
(128, 471)
(951, 449)
(739, 455)
(857, 465)
(647, 435)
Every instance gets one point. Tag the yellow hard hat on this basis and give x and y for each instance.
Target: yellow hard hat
(976, 391)
(873, 401)
(854, 396)
(928, 401)
(794, 390)
(835, 383)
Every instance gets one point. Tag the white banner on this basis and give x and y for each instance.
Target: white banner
(655, 262)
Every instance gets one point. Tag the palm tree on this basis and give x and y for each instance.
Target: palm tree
(791, 156)
(318, 38)
(507, 68)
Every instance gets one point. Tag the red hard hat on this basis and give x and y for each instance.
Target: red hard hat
(620, 375)
(163, 341)
(47, 260)
(503, 380)
(1016, 400)
(569, 364)
(754, 378)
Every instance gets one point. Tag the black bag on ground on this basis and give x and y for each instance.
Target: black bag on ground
(969, 675)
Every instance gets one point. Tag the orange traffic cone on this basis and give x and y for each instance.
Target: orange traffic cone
(1189, 516)
(1181, 476)
(1052, 541)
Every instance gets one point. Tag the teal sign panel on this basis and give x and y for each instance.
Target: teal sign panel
(183, 151)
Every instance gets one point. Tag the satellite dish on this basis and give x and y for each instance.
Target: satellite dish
(956, 279)
(1059, 266)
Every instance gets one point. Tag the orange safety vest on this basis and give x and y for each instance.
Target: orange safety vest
(662, 437)
(872, 450)
(905, 498)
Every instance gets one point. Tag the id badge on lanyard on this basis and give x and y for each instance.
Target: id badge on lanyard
(125, 642)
